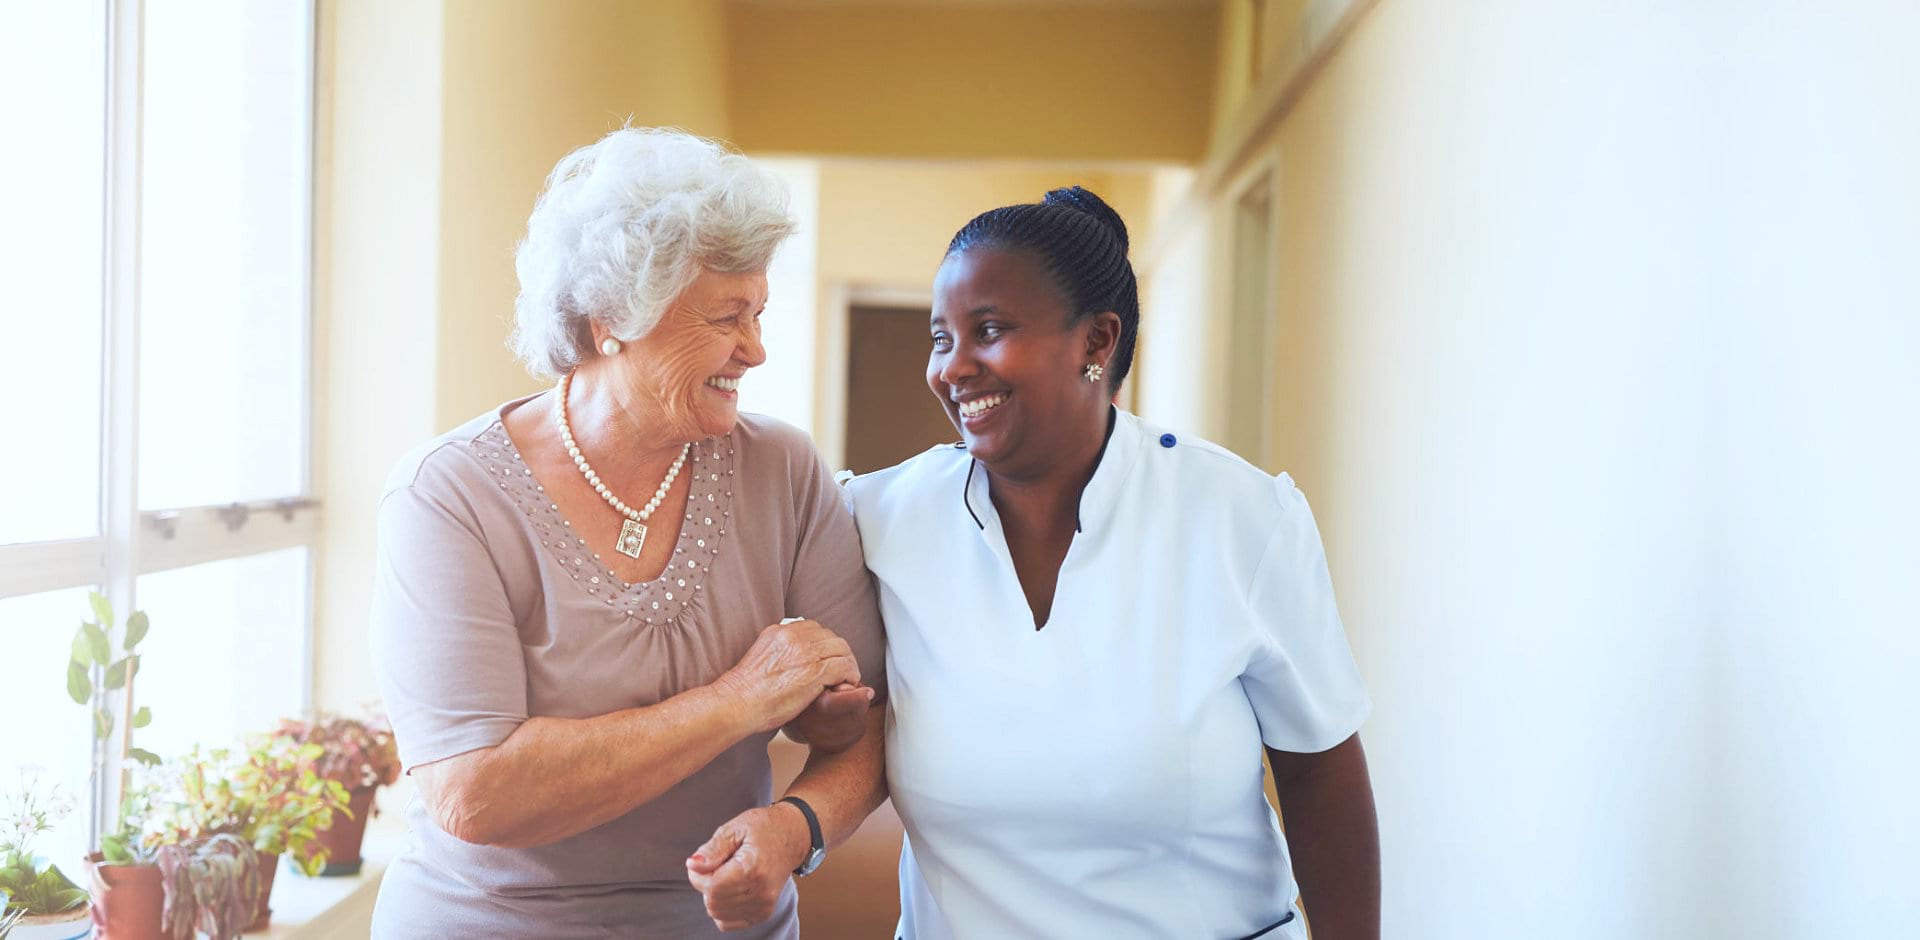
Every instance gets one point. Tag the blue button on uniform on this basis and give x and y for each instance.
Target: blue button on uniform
(1167, 440)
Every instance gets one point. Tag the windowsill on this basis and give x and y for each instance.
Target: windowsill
(326, 908)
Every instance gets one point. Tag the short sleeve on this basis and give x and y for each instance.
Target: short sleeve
(1305, 688)
(830, 583)
(446, 650)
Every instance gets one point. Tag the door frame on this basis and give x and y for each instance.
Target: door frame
(833, 347)
(1261, 177)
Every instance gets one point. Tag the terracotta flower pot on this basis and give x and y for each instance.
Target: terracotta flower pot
(127, 900)
(263, 912)
(70, 925)
(342, 840)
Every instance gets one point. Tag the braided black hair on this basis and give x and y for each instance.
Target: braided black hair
(1082, 244)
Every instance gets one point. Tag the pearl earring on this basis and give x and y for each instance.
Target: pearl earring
(610, 346)
(1094, 371)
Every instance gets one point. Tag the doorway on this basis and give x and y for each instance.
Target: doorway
(891, 415)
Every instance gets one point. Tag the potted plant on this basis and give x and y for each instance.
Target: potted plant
(127, 893)
(214, 886)
(361, 756)
(37, 900)
(269, 797)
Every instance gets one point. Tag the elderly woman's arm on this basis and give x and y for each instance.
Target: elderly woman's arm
(557, 777)
(744, 867)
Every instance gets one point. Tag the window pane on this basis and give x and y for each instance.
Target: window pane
(226, 653)
(53, 96)
(46, 733)
(223, 332)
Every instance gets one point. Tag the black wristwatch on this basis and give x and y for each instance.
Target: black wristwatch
(818, 853)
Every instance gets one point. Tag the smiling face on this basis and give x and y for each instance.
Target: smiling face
(688, 367)
(1008, 358)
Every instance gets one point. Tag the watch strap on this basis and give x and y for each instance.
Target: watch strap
(819, 841)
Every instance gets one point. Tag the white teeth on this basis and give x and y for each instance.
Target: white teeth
(724, 384)
(979, 406)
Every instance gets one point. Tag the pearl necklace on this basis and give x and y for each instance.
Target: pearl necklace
(633, 532)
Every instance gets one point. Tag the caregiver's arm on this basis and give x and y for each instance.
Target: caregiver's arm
(557, 777)
(1326, 803)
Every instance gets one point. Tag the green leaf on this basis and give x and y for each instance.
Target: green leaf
(102, 609)
(78, 685)
(102, 722)
(48, 892)
(97, 643)
(270, 837)
(143, 717)
(117, 673)
(146, 757)
(136, 630)
(114, 849)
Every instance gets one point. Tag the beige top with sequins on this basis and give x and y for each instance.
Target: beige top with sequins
(488, 610)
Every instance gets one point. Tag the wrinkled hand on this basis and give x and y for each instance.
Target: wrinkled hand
(788, 667)
(836, 720)
(748, 862)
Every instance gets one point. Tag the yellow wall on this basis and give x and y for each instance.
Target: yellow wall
(1077, 82)
(376, 279)
(887, 223)
(525, 83)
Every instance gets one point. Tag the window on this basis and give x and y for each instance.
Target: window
(157, 256)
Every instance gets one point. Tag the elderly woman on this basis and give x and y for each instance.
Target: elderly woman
(586, 619)
(1095, 625)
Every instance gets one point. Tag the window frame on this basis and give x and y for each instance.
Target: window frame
(132, 542)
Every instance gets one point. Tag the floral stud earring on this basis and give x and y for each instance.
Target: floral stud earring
(1094, 371)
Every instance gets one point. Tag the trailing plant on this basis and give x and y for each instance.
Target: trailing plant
(212, 886)
(357, 753)
(31, 884)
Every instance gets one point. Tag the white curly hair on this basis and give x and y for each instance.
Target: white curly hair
(624, 226)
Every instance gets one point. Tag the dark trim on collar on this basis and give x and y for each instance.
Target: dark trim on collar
(966, 489)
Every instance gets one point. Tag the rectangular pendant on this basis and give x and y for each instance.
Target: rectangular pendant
(632, 536)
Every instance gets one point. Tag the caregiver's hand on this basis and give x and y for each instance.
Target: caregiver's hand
(786, 669)
(836, 720)
(748, 862)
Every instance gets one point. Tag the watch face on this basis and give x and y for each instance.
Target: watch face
(814, 858)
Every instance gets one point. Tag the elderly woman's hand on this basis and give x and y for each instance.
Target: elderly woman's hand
(788, 667)
(835, 721)
(748, 862)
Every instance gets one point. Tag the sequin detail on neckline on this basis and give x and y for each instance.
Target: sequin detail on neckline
(666, 598)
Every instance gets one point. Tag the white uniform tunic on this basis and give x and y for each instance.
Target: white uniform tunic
(1102, 777)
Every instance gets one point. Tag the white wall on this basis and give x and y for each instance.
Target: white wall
(784, 386)
(1598, 357)
(1177, 359)
(1818, 284)
(1507, 453)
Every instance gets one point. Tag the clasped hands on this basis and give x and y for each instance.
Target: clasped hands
(801, 677)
